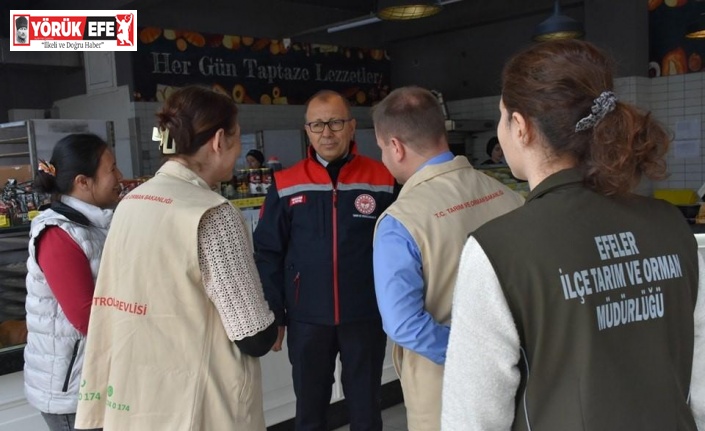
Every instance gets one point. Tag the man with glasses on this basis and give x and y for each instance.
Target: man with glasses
(313, 248)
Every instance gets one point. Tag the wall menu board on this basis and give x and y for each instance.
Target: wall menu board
(255, 70)
(670, 52)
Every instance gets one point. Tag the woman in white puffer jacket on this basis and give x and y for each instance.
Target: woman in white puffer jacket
(66, 243)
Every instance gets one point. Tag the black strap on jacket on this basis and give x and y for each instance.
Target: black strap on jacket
(70, 213)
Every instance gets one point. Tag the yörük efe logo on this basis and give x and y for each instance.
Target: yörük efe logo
(71, 30)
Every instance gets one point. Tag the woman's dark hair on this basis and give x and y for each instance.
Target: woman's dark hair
(73, 155)
(193, 114)
(257, 154)
(554, 85)
(494, 141)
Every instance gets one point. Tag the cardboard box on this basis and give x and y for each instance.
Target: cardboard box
(21, 173)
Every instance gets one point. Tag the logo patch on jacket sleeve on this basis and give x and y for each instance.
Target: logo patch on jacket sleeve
(301, 199)
(365, 204)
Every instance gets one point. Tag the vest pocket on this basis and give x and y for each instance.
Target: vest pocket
(68, 371)
(247, 377)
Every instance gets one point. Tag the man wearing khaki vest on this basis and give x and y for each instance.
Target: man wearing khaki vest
(419, 238)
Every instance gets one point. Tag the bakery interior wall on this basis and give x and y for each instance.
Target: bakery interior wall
(33, 81)
(467, 63)
(463, 61)
(35, 86)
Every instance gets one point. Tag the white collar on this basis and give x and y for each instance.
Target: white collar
(98, 217)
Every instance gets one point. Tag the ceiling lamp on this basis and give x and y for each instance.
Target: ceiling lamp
(396, 10)
(696, 29)
(558, 26)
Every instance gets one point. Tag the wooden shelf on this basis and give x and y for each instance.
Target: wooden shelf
(20, 154)
(20, 140)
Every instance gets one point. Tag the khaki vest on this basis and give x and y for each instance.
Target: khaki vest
(440, 206)
(157, 355)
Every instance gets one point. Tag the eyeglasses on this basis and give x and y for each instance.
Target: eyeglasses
(333, 125)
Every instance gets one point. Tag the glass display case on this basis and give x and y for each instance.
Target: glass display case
(13, 270)
(503, 174)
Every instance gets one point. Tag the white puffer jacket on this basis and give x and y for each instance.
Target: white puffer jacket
(54, 352)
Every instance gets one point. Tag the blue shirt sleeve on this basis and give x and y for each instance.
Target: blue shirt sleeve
(399, 286)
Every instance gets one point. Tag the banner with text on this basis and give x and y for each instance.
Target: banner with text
(73, 30)
(255, 70)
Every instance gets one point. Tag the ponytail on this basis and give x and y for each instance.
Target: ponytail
(626, 145)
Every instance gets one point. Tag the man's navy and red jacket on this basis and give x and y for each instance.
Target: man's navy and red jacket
(313, 242)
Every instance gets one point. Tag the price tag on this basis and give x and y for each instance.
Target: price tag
(248, 202)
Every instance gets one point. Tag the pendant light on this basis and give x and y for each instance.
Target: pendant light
(397, 10)
(696, 29)
(373, 18)
(558, 26)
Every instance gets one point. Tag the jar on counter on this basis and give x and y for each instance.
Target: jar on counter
(255, 180)
(242, 182)
(266, 179)
(227, 190)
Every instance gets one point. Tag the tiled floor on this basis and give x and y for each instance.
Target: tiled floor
(394, 419)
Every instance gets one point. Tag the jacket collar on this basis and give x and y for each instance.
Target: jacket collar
(565, 178)
(83, 213)
(352, 152)
(434, 170)
(175, 169)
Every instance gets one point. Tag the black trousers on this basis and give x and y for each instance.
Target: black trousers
(312, 352)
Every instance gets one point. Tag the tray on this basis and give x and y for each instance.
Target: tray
(17, 269)
(16, 296)
(13, 283)
(12, 311)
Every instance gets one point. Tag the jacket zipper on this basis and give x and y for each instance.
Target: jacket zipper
(296, 288)
(68, 372)
(336, 305)
(528, 376)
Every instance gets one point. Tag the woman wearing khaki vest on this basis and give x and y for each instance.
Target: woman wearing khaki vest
(179, 316)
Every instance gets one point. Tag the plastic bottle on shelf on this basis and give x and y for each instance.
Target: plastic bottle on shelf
(274, 164)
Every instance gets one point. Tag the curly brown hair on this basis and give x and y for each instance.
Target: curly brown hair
(554, 85)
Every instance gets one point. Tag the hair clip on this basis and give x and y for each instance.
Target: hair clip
(166, 145)
(601, 106)
(47, 168)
